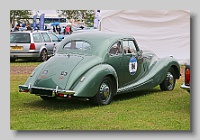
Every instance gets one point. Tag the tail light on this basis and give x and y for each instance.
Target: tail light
(32, 46)
(187, 76)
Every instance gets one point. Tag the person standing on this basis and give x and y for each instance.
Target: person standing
(67, 29)
(45, 27)
(28, 27)
(64, 30)
(16, 28)
(70, 29)
(54, 29)
(58, 29)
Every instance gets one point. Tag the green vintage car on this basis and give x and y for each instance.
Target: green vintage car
(99, 65)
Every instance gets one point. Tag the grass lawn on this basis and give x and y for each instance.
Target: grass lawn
(144, 110)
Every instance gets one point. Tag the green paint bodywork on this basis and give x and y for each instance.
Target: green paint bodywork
(85, 69)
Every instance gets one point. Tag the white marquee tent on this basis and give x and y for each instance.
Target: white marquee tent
(163, 32)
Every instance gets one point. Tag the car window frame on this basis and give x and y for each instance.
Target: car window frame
(41, 38)
(54, 36)
(135, 44)
(45, 33)
(111, 46)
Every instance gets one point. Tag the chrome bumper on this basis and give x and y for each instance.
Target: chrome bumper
(183, 86)
(25, 88)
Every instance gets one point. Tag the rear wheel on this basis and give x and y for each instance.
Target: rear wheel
(43, 55)
(105, 93)
(12, 59)
(169, 81)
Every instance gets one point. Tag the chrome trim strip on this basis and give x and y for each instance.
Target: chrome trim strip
(183, 86)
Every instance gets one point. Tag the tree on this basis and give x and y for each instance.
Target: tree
(17, 15)
(83, 15)
(69, 14)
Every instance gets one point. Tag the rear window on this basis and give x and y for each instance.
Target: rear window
(77, 45)
(20, 38)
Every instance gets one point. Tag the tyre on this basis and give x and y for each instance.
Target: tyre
(12, 59)
(46, 98)
(43, 56)
(105, 93)
(169, 81)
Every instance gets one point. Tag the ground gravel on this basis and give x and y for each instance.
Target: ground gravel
(29, 69)
(21, 69)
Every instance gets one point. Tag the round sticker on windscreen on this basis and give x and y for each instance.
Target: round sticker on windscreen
(133, 65)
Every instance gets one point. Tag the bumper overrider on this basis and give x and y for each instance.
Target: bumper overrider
(186, 87)
(50, 92)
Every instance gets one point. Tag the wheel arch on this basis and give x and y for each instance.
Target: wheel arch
(177, 71)
(40, 54)
(115, 82)
(93, 77)
(41, 49)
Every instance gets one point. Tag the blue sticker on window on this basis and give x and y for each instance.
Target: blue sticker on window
(132, 65)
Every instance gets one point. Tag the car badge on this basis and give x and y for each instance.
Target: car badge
(63, 73)
(45, 72)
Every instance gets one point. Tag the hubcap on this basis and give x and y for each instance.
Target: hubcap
(104, 92)
(44, 56)
(170, 80)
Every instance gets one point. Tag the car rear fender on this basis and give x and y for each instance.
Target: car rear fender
(32, 78)
(164, 64)
(88, 84)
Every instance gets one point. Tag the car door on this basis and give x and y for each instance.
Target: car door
(54, 40)
(115, 58)
(131, 62)
(48, 43)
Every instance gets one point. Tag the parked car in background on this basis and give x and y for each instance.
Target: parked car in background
(186, 84)
(98, 66)
(32, 44)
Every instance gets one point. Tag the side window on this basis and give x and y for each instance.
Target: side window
(129, 46)
(115, 49)
(54, 38)
(37, 37)
(46, 37)
(68, 45)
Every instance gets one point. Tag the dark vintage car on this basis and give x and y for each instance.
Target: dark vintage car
(186, 84)
(99, 65)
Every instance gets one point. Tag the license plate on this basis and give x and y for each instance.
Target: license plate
(16, 47)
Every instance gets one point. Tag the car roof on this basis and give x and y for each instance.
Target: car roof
(98, 37)
(100, 40)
